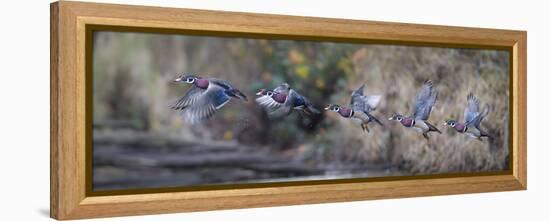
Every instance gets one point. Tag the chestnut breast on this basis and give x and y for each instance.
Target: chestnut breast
(201, 83)
(459, 127)
(345, 112)
(279, 97)
(407, 122)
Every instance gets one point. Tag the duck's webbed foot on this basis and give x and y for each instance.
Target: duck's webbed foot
(426, 136)
(365, 127)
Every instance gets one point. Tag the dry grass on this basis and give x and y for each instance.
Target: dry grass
(397, 73)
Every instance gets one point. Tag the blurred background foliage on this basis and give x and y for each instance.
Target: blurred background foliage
(140, 142)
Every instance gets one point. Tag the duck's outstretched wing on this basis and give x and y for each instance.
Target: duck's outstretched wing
(190, 98)
(424, 101)
(472, 108)
(360, 102)
(365, 103)
(358, 91)
(200, 104)
(478, 118)
(268, 103)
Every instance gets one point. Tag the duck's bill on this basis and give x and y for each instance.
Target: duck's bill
(177, 80)
(445, 124)
(260, 92)
(327, 107)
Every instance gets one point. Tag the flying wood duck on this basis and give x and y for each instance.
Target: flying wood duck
(472, 119)
(419, 120)
(205, 97)
(359, 108)
(282, 100)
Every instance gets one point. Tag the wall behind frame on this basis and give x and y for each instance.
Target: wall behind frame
(24, 161)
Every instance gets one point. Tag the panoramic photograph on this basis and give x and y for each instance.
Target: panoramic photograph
(174, 110)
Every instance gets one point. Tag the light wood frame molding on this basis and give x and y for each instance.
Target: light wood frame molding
(68, 109)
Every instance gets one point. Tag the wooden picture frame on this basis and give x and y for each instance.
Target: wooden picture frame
(69, 195)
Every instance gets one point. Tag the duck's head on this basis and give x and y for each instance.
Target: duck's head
(332, 107)
(396, 117)
(186, 78)
(450, 123)
(264, 92)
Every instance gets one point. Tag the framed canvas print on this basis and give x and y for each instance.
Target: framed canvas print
(160, 110)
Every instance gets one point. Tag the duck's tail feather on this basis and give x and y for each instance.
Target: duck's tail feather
(432, 127)
(238, 94)
(374, 119)
(311, 108)
(485, 134)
